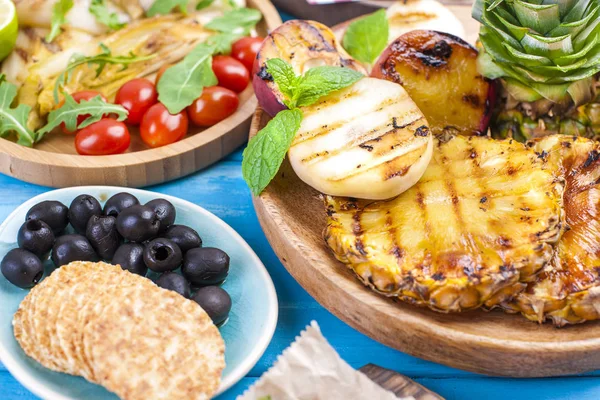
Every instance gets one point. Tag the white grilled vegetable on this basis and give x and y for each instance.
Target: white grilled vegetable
(367, 141)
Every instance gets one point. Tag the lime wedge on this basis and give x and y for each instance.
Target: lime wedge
(9, 27)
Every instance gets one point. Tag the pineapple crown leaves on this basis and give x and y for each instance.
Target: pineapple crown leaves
(541, 48)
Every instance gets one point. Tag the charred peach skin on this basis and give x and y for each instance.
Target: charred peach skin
(302, 44)
(439, 71)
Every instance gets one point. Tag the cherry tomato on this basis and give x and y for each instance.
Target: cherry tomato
(137, 96)
(107, 136)
(160, 128)
(78, 96)
(215, 104)
(246, 49)
(231, 73)
(161, 71)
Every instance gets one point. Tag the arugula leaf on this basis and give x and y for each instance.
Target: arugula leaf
(266, 151)
(239, 20)
(320, 81)
(203, 4)
(100, 60)
(164, 7)
(59, 18)
(301, 91)
(95, 109)
(14, 119)
(367, 37)
(99, 9)
(182, 83)
(222, 42)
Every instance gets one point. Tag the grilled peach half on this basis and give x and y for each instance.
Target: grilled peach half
(439, 72)
(303, 45)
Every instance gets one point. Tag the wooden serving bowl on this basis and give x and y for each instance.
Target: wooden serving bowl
(293, 217)
(54, 161)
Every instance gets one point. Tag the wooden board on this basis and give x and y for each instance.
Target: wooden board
(398, 384)
(54, 162)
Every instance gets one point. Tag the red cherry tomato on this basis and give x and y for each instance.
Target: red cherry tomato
(137, 96)
(78, 96)
(231, 73)
(246, 49)
(215, 104)
(107, 136)
(160, 128)
(161, 71)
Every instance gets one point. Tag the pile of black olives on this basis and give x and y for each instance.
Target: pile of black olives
(124, 232)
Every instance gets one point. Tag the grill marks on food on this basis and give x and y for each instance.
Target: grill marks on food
(439, 244)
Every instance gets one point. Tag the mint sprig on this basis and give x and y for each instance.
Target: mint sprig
(59, 18)
(265, 152)
(367, 37)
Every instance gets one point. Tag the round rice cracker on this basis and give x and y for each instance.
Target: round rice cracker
(79, 295)
(155, 344)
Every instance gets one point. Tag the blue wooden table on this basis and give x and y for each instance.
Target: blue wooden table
(221, 190)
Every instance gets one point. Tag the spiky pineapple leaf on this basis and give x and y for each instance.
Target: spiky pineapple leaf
(14, 120)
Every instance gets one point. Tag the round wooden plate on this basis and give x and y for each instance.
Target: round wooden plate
(54, 162)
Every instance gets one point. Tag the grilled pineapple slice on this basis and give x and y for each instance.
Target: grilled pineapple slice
(568, 290)
(479, 222)
(366, 141)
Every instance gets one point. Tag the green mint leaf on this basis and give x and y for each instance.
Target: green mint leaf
(164, 7)
(183, 83)
(100, 60)
(203, 4)
(321, 81)
(99, 9)
(59, 18)
(367, 37)
(14, 120)
(95, 108)
(222, 42)
(284, 76)
(266, 151)
(239, 20)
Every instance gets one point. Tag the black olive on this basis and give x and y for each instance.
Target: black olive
(103, 235)
(215, 301)
(175, 282)
(69, 248)
(53, 213)
(36, 236)
(162, 255)
(130, 256)
(165, 211)
(81, 210)
(138, 223)
(118, 203)
(205, 266)
(184, 237)
(22, 268)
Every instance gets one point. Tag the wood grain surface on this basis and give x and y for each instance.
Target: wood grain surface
(293, 217)
(400, 385)
(54, 162)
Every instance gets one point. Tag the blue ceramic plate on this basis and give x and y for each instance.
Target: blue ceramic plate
(247, 333)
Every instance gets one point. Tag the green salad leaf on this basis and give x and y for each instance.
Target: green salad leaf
(95, 109)
(203, 4)
(238, 20)
(14, 120)
(100, 60)
(367, 37)
(59, 18)
(266, 150)
(222, 42)
(183, 83)
(164, 7)
(99, 9)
